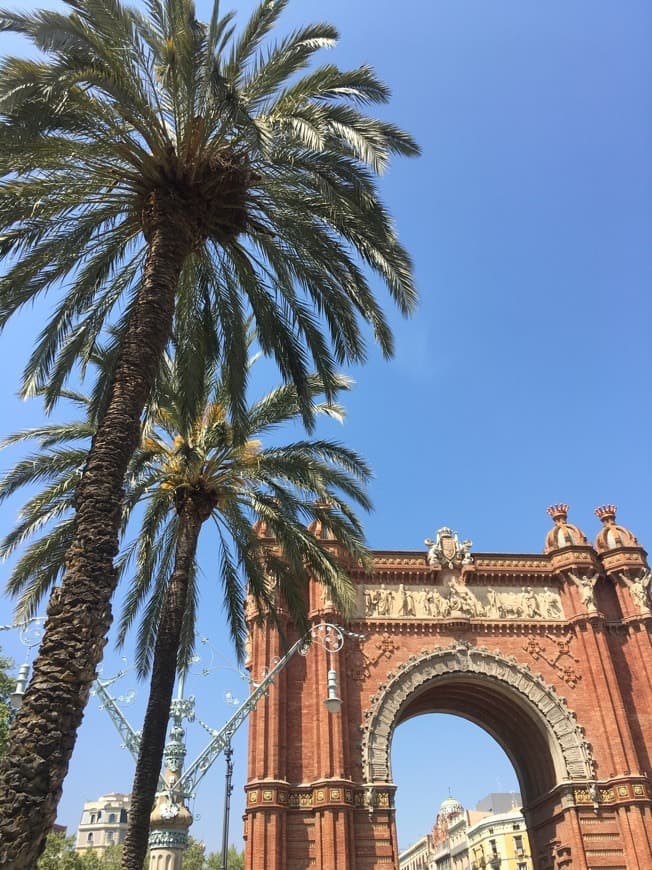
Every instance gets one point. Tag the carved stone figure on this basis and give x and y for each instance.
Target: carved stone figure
(494, 608)
(444, 606)
(423, 603)
(462, 600)
(405, 602)
(639, 589)
(511, 605)
(586, 586)
(370, 601)
(530, 605)
(385, 599)
(550, 604)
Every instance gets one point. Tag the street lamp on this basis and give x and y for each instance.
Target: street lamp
(326, 635)
(31, 632)
(331, 638)
(16, 697)
(333, 703)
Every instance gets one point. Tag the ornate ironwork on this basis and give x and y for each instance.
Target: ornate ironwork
(330, 637)
(168, 839)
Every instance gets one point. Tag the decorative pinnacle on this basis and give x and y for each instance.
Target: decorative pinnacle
(606, 513)
(558, 512)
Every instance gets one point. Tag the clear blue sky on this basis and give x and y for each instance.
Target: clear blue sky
(524, 377)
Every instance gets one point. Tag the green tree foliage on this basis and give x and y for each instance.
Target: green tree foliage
(153, 164)
(235, 860)
(194, 857)
(60, 854)
(195, 465)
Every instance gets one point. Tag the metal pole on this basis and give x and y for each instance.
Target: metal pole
(228, 788)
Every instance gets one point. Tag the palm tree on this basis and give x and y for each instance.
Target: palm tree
(193, 465)
(134, 150)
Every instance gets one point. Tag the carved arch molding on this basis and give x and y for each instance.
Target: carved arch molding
(571, 754)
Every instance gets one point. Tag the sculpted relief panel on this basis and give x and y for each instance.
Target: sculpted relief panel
(455, 599)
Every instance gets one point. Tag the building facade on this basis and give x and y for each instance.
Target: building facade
(103, 822)
(472, 839)
(499, 842)
(550, 652)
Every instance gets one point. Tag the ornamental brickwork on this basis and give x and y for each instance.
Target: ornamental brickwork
(550, 653)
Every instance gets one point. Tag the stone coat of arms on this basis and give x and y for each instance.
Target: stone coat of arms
(447, 549)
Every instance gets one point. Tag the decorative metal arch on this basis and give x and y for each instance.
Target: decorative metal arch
(573, 759)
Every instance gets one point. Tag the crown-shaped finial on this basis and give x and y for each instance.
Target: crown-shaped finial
(606, 513)
(612, 536)
(558, 512)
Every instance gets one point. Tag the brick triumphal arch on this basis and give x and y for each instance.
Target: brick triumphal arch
(550, 653)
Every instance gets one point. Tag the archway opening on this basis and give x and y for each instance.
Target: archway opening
(502, 714)
(439, 756)
(517, 708)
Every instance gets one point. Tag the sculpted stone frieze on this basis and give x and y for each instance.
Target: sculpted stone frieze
(455, 599)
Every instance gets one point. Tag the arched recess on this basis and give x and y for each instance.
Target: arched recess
(520, 711)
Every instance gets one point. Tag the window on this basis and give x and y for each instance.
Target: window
(89, 839)
(123, 816)
(109, 836)
(518, 843)
(492, 845)
(522, 866)
(112, 818)
(92, 818)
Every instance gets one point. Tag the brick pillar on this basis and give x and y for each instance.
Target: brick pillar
(266, 789)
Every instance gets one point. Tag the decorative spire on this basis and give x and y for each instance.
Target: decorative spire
(606, 513)
(558, 512)
(612, 536)
(317, 527)
(563, 533)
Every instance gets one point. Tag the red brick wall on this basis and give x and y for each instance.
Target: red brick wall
(308, 801)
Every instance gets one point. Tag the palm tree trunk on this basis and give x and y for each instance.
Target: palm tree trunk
(164, 670)
(79, 612)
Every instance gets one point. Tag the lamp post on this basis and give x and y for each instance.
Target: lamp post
(171, 795)
(228, 789)
(331, 638)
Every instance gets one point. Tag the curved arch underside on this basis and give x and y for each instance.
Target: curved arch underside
(524, 715)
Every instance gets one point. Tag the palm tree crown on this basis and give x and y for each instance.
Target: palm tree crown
(130, 123)
(194, 465)
(153, 164)
(192, 453)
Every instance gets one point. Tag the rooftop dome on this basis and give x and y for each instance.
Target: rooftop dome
(449, 807)
(612, 536)
(563, 534)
